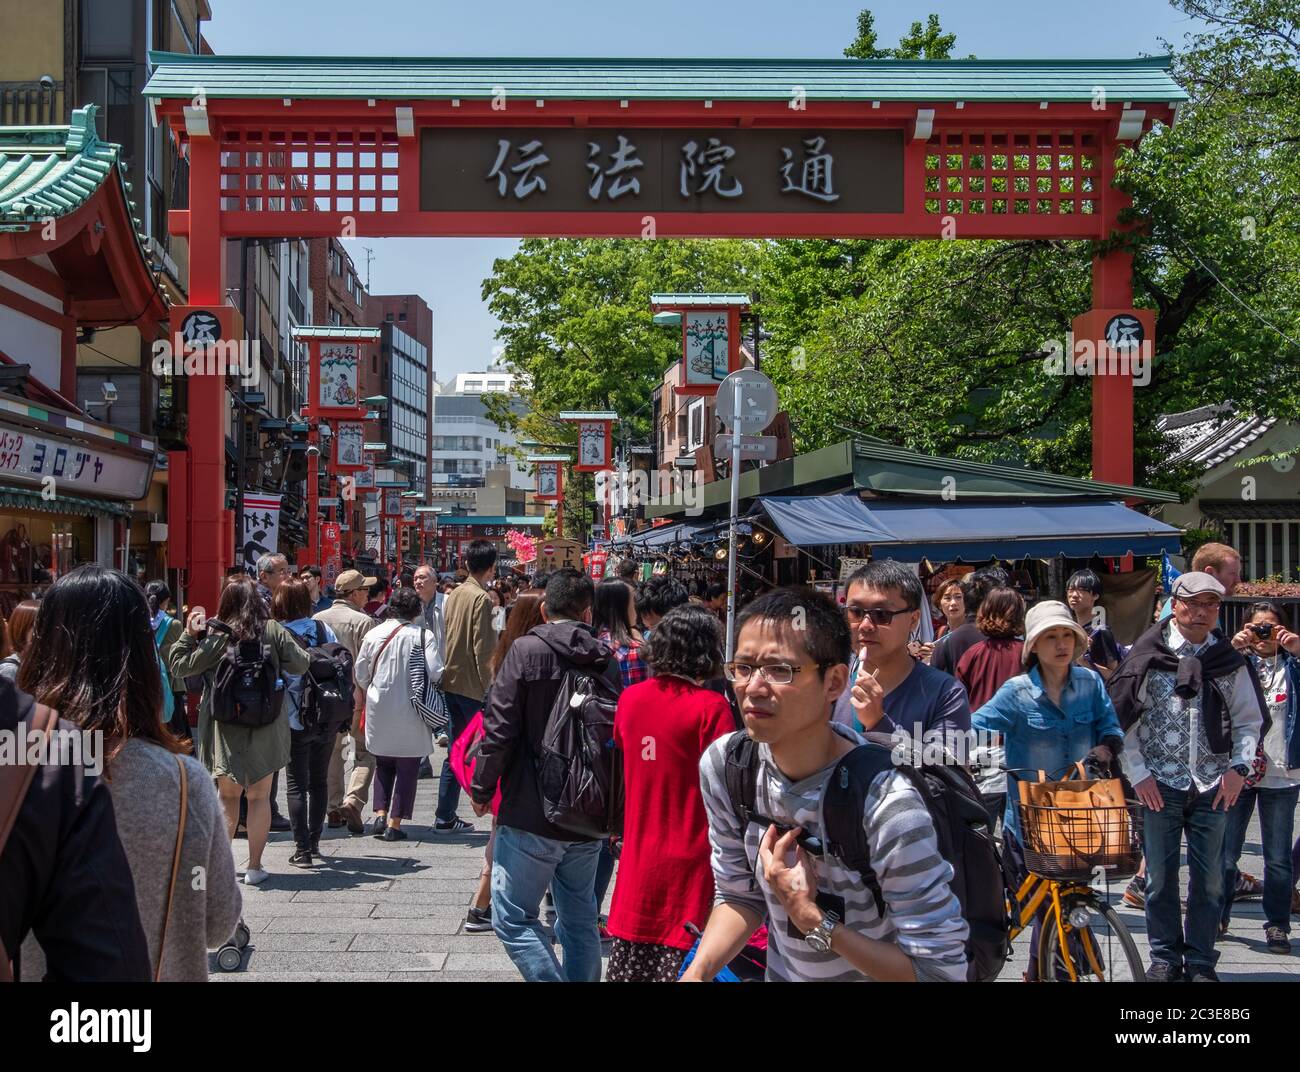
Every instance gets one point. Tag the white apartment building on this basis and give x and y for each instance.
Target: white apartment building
(465, 444)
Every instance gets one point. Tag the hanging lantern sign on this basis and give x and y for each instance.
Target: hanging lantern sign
(334, 360)
(391, 503)
(594, 437)
(348, 438)
(550, 475)
(710, 327)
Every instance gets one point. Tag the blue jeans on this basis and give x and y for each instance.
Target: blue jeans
(461, 709)
(1276, 821)
(523, 866)
(1185, 811)
(604, 871)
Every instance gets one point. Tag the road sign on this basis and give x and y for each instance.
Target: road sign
(757, 408)
(549, 549)
(762, 447)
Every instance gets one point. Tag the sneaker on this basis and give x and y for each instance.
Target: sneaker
(1135, 893)
(335, 819)
(255, 876)
(378, 825)
(1202, 975)
(456, 826)
(426, 769)
(478, 920)
(393, 834)
(314, 846)
(1248, 886)
(279, 824)
(301, 858)
(1162, 972)
(444, 741)
(351, 816)
(1277, 939)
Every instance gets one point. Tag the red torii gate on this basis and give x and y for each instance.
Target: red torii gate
(339, 147)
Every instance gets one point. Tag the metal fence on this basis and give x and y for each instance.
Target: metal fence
(30, 104)
(1236, 609)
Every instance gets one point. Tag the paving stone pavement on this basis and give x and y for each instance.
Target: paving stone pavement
(384, 911)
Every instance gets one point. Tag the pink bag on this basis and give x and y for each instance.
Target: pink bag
(464, 754)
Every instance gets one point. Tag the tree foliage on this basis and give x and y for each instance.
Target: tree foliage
(939, 345)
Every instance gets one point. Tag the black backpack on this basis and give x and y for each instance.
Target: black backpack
(579, 771)
(246, 687)
(326, 704)
(961, 825)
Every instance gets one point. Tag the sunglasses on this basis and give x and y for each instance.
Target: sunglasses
(878, 615)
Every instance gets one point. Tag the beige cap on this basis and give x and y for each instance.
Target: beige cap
(350, 580)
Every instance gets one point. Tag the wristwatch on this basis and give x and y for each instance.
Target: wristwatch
(819, 938)
(1241, 769)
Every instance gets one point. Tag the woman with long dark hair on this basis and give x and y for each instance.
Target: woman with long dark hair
(240, 757)
(613, 617)
(92, 657)
(525, 613)
(309, 749)
(663, 727)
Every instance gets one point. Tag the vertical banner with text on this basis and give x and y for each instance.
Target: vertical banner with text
(261, 533)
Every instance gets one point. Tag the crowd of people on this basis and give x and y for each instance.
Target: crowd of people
(352, 693)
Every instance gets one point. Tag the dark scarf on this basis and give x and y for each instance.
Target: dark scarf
(1193, 676)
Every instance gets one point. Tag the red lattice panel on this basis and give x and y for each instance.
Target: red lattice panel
(1013, 173)
(292, 169)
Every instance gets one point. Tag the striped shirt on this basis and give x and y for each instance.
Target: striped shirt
(923, 916)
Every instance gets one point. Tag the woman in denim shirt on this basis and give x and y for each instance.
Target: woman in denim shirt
(1056, 714)
(1050, 718)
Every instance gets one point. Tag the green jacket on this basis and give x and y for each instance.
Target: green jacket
(242, 753)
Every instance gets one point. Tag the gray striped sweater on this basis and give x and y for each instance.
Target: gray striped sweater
(922, 914)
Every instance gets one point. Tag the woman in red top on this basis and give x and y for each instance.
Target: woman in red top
(995, 659)
(663, 726)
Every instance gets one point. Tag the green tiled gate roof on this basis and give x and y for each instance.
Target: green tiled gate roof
(52, 170)
(180, 75)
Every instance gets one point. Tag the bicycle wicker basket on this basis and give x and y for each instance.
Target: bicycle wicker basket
(1070, 844)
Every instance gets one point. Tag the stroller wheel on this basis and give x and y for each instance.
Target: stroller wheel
(229, 958)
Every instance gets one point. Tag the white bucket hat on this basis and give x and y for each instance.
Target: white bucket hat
(1050, 614)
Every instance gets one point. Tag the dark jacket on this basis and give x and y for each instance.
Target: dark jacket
(65, 876)
(514, 718)
(954, 645)
(1194, 674)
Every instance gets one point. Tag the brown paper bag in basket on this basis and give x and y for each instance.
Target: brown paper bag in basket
(1076, 825)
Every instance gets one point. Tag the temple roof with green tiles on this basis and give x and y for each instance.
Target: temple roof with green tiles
(51, 171)
(180, 75)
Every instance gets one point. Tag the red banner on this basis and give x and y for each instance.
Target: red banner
(331, 552)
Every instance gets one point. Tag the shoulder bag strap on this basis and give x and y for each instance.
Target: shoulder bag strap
(176, 863)
(15, 780)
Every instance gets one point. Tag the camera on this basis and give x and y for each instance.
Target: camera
(47, 83)
(313, 451)
(1263, 631)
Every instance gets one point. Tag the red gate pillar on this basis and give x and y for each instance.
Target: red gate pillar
(206, 476)
(313, 496)
(1112, 396)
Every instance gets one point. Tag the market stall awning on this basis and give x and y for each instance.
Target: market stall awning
(823, 519)
(972, 532)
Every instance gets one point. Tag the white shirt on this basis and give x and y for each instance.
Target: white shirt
(393, 726)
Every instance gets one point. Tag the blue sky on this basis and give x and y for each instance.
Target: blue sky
(449, 272)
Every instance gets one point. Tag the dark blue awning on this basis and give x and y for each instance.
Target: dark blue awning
(972, 532)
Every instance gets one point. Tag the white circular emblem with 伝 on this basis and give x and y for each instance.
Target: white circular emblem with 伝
(1124, 332)
(200, 328)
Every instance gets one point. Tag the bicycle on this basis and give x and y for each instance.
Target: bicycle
(1082, 938)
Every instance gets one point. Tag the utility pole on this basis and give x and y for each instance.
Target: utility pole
(370, 256)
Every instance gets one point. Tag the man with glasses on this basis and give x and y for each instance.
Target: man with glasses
(888, 690)
(1192, 713)
(791, 665)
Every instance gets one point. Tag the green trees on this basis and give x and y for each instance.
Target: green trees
(939, 345)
